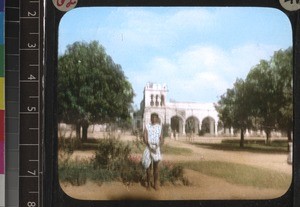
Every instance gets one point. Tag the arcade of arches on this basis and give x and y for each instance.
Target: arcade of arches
(182, 117)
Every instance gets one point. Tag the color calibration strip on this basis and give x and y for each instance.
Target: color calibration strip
(2, 107)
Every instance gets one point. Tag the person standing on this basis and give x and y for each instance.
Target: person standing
(153, 139)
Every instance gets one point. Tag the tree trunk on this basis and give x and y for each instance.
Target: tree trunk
(268, 134)
(242, 138)
(289, 135)
(84, 131)
(78, 126)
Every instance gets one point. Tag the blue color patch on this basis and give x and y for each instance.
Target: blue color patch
(2, 27)
(2, 5)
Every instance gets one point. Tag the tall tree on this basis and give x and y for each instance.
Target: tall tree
(264, 103)
(91, 87)
(264, 100)
(282, 64)
(233, 109)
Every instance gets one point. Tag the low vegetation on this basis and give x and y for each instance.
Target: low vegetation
(113, 160)
(253, 146)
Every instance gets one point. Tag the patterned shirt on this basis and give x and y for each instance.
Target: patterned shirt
(154, 132)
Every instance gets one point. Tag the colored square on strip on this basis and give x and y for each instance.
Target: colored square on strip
(2, 98)
(2, 3)
(2, 157)
(2, 142)
(2, 61)
(2, 124)
(2, 20)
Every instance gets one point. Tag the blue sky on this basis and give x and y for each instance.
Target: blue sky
(197, 51)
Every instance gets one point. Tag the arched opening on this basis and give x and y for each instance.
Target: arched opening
(156, 100)
(162, 102)
(208, 126)
(176, 124)
(151, 101)
(192, 125)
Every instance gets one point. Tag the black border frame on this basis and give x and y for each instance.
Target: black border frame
(53, 195)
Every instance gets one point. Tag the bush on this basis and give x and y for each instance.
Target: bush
(73, 172)
(111, 154)
(102, 175)
(113, 161)
(171, 173)
(132, 172)
(69, 144)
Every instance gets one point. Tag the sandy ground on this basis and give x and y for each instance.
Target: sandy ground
(203, 186)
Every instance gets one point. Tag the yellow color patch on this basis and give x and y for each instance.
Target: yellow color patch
(2, 95)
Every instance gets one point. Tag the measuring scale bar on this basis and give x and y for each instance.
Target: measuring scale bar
(30, 73)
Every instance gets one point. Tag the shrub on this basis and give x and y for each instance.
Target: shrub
(172, 173)
(113, 161)
(132, 172)
(102, 175)
(73, 172)
(111, 154)
(69, 144)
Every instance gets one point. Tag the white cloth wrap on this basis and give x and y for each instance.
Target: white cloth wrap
(154, 132)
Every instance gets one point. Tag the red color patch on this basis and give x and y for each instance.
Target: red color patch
(2, 120)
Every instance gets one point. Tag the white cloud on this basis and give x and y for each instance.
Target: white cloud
(203, 73)
(190, 49)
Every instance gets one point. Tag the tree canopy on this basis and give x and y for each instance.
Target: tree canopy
(263, 100)
(91, 87)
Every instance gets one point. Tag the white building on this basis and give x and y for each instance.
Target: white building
(182, 117)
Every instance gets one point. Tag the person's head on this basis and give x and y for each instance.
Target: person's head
(154, 118)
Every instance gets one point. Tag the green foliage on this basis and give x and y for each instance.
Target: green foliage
(253, 146)
(111, 154)
(113, 161)
(233, 108)
(167, 149)
(132, 170)
(91, 87)
(172, 173)
(78, 172)
(73, 172)
(69, 144)
(282, 63)
(263, 100)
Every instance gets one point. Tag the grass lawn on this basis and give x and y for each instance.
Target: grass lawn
(166, 149)
(241, 174)
(255, 146)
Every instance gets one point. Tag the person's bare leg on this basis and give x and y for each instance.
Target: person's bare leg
(148, 171)
(156, 175)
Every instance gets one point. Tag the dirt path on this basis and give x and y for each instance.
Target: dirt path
(203, 186)
(276, 162)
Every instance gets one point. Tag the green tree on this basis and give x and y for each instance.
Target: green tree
(264, 103)
(91, 87)
(282, 64)
(233, 108)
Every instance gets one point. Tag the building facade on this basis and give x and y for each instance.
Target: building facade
(182, 117)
